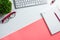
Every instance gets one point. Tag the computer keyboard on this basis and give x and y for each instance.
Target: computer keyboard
(28, 3)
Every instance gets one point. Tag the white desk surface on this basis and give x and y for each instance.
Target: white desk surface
(23, 17)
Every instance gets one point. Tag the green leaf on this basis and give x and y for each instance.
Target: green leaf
(5, 7)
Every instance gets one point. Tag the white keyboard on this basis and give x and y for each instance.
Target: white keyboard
(27, 3)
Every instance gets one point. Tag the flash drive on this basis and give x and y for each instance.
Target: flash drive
(52, 2)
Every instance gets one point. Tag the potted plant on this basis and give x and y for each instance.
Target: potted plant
(5, 7)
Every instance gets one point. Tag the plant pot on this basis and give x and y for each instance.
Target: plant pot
(1, 15)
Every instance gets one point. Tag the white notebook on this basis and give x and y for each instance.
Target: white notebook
(52, 21)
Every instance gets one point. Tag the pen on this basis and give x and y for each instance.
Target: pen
(57, 17)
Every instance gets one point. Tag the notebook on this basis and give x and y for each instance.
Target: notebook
(52, 21)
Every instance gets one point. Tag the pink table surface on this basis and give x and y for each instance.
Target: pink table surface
(35, 31)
